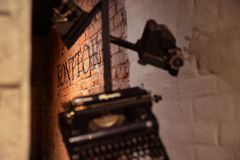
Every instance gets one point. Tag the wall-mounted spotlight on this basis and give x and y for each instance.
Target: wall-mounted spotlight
(157, 47)
(71, 21)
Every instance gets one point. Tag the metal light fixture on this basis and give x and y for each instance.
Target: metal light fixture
(70, 21)
(157, 47)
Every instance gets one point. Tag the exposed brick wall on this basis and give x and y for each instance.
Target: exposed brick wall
(199, 113)
(65, 74)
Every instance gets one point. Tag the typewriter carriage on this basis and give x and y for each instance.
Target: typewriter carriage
(134, 104)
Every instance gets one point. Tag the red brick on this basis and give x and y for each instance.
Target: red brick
(97, 89)
(122, 71)
(117, 19)
(119, 58)
(112, 10)
(114, 49)
(119, 30)
(119, 5)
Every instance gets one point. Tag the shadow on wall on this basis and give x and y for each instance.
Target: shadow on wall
(199, 114)
(213, 31)
(217, 52)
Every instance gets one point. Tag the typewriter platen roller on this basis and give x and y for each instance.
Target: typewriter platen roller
(119, 126)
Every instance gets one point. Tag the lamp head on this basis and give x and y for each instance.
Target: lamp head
(157, 47)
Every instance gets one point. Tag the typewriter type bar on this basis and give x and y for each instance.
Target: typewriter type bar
(114, 125)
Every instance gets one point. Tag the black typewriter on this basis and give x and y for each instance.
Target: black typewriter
(118, 125)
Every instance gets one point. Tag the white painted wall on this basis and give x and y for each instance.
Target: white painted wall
(200, 112)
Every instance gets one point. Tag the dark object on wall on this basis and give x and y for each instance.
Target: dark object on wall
(41, 11)
(116, 125)
(156, 47)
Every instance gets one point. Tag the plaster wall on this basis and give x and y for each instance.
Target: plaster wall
(200, 112)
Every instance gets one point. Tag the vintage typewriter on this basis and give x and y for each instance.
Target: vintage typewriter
(118, 125)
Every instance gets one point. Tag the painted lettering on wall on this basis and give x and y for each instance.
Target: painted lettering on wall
(80, 64)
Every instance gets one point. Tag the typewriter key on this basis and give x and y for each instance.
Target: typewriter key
(146, 151)
(116, 145)
(162, 158)
(123, 157)
(158, 143)
(146, 138)
(134, 149)
(147, 157)
(152, 136)
(156, 152)
(97, 150)
(122, 144)
(146, 146)
(101, 158)
(128, 152)
(109, 148)
(135, 154)
(141, 158)
(141, 153)
(128, 142)
(134, 140)
(75, 157)
(83, 153)
(152, 144)
(121, 152)
(140, 147)
(140, 139)
(109, 156)
(103, 148)
(115, 155)
(90, 152)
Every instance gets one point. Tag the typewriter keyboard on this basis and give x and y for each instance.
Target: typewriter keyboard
(144, 147)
